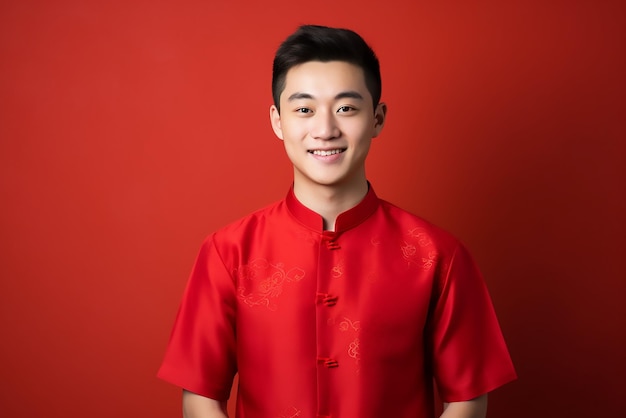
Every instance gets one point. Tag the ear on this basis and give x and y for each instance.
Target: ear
(275, 121)
(380, 114)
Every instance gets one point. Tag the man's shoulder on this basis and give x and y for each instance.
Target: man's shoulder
(410, 224)
(274, 212)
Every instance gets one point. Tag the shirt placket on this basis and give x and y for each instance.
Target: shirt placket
(326, 302)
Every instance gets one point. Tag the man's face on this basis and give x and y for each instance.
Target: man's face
(327, 122)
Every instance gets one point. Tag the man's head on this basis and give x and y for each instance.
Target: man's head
(324, 44)
(327, 85)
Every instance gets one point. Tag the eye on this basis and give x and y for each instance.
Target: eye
(344, 109)
(303, 110)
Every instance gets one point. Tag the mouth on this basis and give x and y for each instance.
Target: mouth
(326, 153)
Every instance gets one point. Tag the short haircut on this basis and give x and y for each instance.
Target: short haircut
(321, 43)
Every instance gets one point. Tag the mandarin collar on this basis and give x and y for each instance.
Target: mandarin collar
(346, 220)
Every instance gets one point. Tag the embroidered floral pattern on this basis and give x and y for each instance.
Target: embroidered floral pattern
(260, 282)
(353, 350)
(337, 271)
(408, 250)
(421, 236)
(348, 325)
(430, 261)
(415, 255)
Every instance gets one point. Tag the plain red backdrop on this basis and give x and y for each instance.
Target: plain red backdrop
(131, 130)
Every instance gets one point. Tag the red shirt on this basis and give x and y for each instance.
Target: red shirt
(353, 323)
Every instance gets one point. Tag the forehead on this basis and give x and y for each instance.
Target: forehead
(324, 79)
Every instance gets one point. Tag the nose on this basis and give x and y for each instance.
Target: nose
(324, 126)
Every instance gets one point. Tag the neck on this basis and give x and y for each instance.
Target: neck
(330, 201)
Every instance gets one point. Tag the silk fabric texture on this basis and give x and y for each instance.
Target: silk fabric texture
(351, 323)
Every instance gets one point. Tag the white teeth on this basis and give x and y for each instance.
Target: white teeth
(326, 153)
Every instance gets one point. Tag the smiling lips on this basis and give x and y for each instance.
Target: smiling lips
(326, 153)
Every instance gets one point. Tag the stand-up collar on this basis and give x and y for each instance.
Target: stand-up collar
(346, 220)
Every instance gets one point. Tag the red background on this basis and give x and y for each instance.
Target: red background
(131, 130)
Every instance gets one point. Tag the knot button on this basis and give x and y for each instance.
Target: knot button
(332, 245)
(326, 299)
(328, 362)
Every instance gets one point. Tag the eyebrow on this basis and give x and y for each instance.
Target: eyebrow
(350, 94)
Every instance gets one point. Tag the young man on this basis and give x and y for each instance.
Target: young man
(332, 302)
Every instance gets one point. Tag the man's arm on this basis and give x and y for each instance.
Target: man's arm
(197, 406)
(476, 408)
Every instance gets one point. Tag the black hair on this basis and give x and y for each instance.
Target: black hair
(321, 43)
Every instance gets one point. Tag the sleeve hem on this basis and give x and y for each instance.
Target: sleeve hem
(218, 394)
(472, 393)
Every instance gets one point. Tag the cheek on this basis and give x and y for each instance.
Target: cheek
(360, 127)
(291, 142)
(293, 152)
(294, 130)
(361, 133)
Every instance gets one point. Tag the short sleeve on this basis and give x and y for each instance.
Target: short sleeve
(200, 355)
(469, 354)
